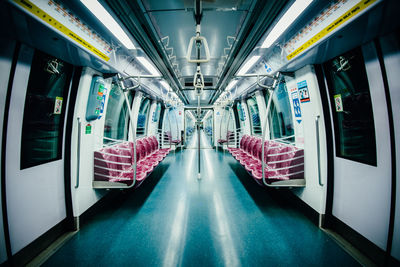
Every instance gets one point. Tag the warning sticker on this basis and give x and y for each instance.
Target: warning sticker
(57, 25)
(338, 103)
(303, 91)
(332, 27)
(58, 105)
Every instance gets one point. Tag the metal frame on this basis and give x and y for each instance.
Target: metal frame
(286, 183)
(105, 184)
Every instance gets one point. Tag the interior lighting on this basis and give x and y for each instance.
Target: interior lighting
(231, 85)
(148, 66)
(104, 17)
(165, 84)
(285, 21)
(248, 65)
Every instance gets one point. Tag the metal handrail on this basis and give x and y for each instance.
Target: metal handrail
(271, 92)
(318, 150)
(78, 153)
(125, 92)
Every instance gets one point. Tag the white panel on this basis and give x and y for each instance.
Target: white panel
(313, 194)
(362, 192)
(35, 196)
(291, 86)
(391, 51)
(6, 56)
(85, 196)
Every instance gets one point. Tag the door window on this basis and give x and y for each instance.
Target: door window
(351, 107)
(45, 104)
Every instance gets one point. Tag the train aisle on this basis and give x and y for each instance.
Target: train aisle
(224, 219)
(205, 141)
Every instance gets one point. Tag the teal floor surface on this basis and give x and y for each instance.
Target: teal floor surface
(223, 219)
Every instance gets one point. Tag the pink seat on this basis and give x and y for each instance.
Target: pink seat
(114, 164)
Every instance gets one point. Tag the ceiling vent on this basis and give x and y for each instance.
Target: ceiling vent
(208, 82)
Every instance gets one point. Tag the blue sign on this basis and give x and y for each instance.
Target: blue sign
(296, 106)
(103, 102)
(267, 68)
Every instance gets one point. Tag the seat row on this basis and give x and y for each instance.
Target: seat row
(282, 161)
(115, 163)
(229, 136)
(168, 138)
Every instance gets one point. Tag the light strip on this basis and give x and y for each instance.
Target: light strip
(148, 66)
(285, 21)
(231, 85)
(248, 65)
(165, 84)
(104, 17)
(207, 114)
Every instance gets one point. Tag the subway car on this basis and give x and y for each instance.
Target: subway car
(200, 133)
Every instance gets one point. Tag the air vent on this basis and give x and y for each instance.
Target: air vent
(208, 82)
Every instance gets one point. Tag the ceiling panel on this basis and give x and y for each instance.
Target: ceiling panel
(221, 18)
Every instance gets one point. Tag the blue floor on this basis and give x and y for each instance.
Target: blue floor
(224, 219)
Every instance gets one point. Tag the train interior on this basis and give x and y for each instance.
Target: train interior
(200, 133)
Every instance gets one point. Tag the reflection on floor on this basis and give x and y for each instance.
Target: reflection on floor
(224, 219)
(205, 140)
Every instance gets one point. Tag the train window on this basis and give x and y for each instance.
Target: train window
(352, 108)
(254, 116)
(240, 112)
(157, 112)
(280, 114)
(117, 116)
(142, 117)
(45, 103)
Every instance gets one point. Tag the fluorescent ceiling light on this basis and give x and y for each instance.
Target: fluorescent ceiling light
(286, 20)
(148, 66)
(248, 65)
(231, 84)
(165, 84)
(102, 15)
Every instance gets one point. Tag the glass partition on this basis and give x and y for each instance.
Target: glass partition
(117, 116)
(142, 117)
(280, 114)
(254, 116)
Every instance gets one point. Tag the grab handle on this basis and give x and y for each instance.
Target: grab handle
(78, 153)
(318, 150)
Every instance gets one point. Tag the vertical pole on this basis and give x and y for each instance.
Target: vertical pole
(125, 92)
(271, 94)
(133, 137)
(198, 137)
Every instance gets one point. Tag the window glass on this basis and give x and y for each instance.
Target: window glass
(45, 103)
(142, 117)
(351, 107)
(280, 114)
(117, 116)
(240, 111)
(156, 114)
(254, 116)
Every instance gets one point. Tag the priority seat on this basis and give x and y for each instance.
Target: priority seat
(115, 163)
(281, 161)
